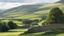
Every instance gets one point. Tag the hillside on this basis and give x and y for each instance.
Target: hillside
(28, 11)
(53, 32)
(56, 18)
(61, 1)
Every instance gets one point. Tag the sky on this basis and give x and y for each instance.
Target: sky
(7, 4)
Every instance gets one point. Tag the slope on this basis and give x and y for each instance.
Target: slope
(28, 11)
(61, 1)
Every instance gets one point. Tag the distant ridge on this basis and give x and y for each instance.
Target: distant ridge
(61, 1)
(24, 11)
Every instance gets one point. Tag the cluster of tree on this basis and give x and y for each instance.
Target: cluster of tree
(3, 27)
(12, 25)
(26, 21)
(6, 26)
(55, 16)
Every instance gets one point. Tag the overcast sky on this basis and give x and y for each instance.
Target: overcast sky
(29, 1)
(6, 4)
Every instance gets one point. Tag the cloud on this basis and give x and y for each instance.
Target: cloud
(29, 1)
(6, 4)
(11, 0)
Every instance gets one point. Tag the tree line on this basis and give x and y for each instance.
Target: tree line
(5, 26)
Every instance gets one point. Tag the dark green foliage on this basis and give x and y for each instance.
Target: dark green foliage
(3, 27)
(26, 21)
(55, 16)
(37, 20)
(26, 26)
(44, 17)
(12, 25)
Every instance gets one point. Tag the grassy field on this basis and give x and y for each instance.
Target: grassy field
(36, 15)
(54, 32)
(42, 34)
(10, 33)
(14, 32)
(17, 32)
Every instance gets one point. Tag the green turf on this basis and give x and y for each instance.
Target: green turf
(13, 32)
(18, 13)
(53, 32)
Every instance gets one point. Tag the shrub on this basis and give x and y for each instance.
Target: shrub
(26, 21)
(12, 25)
(3, 27)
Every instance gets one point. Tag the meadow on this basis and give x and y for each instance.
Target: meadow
(19, 32)
(13, 32)
(42, 13)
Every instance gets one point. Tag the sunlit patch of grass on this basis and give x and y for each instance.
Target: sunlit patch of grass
(13, 32)
(62, 8)
(51, 5)
(28, 16)
(10, 33)
(40, 23)
(42, 12)
(19, 23)
(62, 34)
(5, 20)
(33, 34)
(35, 18)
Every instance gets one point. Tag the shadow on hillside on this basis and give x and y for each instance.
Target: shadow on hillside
(45, 34)
(51, 33)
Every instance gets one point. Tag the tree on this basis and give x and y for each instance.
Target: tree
(3, 27)
(26, 21)
(55, 16)
(12, 25)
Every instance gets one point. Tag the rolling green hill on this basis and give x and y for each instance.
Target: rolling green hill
(61, 1)
(29, 11)
(53, 32)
